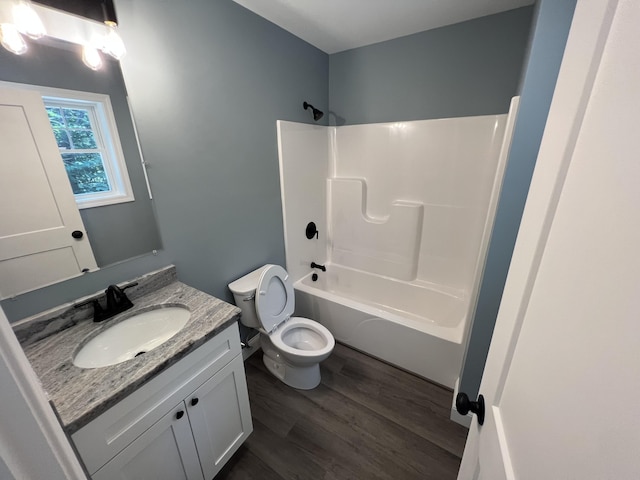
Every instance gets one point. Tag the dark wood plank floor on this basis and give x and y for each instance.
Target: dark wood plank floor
(366, 420)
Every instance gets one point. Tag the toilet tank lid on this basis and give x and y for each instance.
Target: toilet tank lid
(247, 285)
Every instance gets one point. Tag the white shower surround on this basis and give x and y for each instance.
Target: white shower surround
(404, 212)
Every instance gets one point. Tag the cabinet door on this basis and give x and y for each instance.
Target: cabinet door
(166, 451)
(220, 416)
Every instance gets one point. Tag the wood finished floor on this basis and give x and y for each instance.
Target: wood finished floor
(366, 420)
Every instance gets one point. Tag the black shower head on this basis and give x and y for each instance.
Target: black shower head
(317, 114)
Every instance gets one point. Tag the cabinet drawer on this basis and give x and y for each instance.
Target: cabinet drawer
(101, 439)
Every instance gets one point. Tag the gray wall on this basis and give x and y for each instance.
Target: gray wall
(5, 473)
(470, 68)
(553, 19)
(206, 109)
(117, 232)
(207, 106)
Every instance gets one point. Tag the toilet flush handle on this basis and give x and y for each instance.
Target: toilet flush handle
(249, 298)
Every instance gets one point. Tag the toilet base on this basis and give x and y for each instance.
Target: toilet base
(302, 378)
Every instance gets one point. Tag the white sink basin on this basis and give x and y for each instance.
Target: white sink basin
(131, 337)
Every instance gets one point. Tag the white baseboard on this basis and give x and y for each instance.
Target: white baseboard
(253, 345)
(464, 420)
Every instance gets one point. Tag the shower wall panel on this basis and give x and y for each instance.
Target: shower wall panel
(405, 200)
(446, 165)
(304, 167)
(386, 245)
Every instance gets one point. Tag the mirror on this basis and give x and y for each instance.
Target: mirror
(116, 232)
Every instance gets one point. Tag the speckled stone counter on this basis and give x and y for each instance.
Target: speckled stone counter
(80, 395)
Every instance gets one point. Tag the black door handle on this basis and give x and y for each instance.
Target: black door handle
(194, 401)
(464, 406)
(179, 414)
(77, 234)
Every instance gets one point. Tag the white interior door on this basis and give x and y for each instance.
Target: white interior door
(563, 373)
(38, 212)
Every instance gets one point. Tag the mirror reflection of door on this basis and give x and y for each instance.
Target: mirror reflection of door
(42, 236)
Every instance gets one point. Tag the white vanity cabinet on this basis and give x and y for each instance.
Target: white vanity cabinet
(185, 423)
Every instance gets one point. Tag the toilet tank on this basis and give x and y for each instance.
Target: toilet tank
(244, 290)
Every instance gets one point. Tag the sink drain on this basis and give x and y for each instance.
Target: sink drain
(140, 353)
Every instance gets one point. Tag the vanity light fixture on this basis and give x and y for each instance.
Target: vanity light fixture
(19, 18)
(91, 58)
(113, 44)
(27, 20)
(11, 39)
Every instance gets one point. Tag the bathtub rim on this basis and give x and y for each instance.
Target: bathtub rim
(451, 334)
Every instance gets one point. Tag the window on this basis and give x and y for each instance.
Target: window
(85, 130)
(79, 145)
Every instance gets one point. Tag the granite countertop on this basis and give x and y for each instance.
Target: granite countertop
(80, 395)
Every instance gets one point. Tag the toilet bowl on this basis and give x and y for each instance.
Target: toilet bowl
(292, 347)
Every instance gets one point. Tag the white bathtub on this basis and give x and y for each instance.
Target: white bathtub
(414, 326)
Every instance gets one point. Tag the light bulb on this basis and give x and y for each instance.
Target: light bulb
(91, 57)
(27, 20)
(11, 39)
(113, 44)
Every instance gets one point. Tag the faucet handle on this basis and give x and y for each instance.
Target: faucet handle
(118, 290)
(133, 284)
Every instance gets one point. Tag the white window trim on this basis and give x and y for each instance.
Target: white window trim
(115, 166)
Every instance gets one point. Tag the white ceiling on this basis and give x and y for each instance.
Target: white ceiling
(337, 25)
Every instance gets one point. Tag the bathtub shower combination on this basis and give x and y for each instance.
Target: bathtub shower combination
(404, 213)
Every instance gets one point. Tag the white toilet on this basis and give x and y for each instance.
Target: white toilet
(293, 347)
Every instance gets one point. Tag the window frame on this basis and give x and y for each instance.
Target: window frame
(106, 132)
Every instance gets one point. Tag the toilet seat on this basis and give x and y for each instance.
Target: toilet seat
(274, 298)
(307, 327)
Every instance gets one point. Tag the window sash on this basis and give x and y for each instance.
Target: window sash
(100, 118)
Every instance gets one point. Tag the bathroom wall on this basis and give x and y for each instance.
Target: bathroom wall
(552, 23)
(208, 83)
(4, 471)
(470, 68)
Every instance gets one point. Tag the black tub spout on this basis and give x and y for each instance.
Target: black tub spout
(320, 267)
